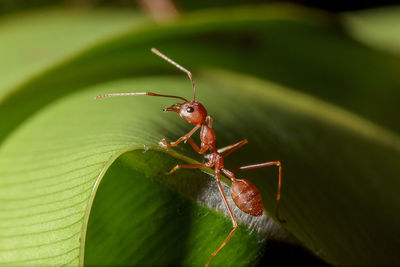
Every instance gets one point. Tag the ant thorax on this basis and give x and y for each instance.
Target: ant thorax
(215, 159)
(207, 135)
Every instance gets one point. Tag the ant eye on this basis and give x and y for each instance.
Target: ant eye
(190, 109)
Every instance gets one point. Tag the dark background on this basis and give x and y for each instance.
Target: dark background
(9, 6)
(338, 6)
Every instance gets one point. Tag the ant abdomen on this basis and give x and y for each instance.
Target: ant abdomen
(247, 197)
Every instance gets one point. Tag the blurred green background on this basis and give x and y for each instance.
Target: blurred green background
(312, 84)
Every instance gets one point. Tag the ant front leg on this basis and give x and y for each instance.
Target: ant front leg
(266, 164)
(210, 120)
(184, 138)
(193, 144)
(199, 150)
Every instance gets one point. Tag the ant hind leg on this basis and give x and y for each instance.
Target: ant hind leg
(233, 218)
(278, 194)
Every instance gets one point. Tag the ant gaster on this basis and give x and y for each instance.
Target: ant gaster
(244, 193)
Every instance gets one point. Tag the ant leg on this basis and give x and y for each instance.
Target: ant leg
(225, 151)
(193, 144)
(266, 164)
(210, 120)
(189, 166)
(229, 174)
(200, 150)
(203, 148)
(233, 218)
(164, 143)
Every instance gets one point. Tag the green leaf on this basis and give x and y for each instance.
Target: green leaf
(48, 176)
(156, 226)
(258, 41)
(33, 41)
(379, 27)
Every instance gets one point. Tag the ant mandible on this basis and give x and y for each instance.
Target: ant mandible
(244, 193)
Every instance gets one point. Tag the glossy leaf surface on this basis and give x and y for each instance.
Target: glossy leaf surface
(340, 194)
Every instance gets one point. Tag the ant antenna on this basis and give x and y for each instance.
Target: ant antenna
(158, 53)
(142, 93)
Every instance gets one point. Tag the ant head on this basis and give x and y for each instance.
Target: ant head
(191, 111)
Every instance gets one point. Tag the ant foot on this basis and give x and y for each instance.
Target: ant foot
(164, 143)
(166, 173)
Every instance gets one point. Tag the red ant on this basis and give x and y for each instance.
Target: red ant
(244, 193)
